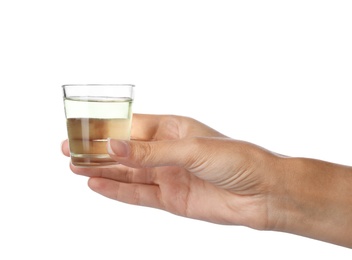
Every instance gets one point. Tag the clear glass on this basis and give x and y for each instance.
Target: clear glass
(94, 113)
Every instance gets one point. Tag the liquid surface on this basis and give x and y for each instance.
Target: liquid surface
(98, 108)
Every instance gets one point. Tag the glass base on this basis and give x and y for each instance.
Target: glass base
(92, 160)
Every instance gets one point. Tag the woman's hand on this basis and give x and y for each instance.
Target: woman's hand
(183, 166)
(187, 168)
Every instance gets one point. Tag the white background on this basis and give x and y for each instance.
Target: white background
(275, 73)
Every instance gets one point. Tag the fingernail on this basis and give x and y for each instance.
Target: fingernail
(118, 147)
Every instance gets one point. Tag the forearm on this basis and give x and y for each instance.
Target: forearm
(316, 198)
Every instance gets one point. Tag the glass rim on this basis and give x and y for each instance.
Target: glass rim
(92, 85)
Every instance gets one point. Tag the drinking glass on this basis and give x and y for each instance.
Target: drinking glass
(94, 113)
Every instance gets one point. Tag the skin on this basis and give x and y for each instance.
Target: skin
(182, 166)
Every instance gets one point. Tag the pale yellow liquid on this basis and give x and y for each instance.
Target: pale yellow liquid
(88, 135)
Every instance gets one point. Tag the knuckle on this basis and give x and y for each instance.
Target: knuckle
(142, 153)
(197, 143)
(197, 151)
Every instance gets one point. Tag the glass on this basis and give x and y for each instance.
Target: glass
(94, 113)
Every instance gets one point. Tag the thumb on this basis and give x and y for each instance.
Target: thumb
(181, 152)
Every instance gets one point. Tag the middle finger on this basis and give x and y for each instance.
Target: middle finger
(119, 173)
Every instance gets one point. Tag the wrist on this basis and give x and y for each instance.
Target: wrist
(313, 198)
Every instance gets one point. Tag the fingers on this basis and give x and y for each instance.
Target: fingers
(167, 127)
(64, 148)
(144, 126)
(95, 171)
(119, 173)
(137, 194)
(183, 153)
(154, 127)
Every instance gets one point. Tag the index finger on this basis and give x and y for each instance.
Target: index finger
(154, 127)
(168, 127)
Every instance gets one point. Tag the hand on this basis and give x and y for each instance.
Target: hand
(182, 166)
